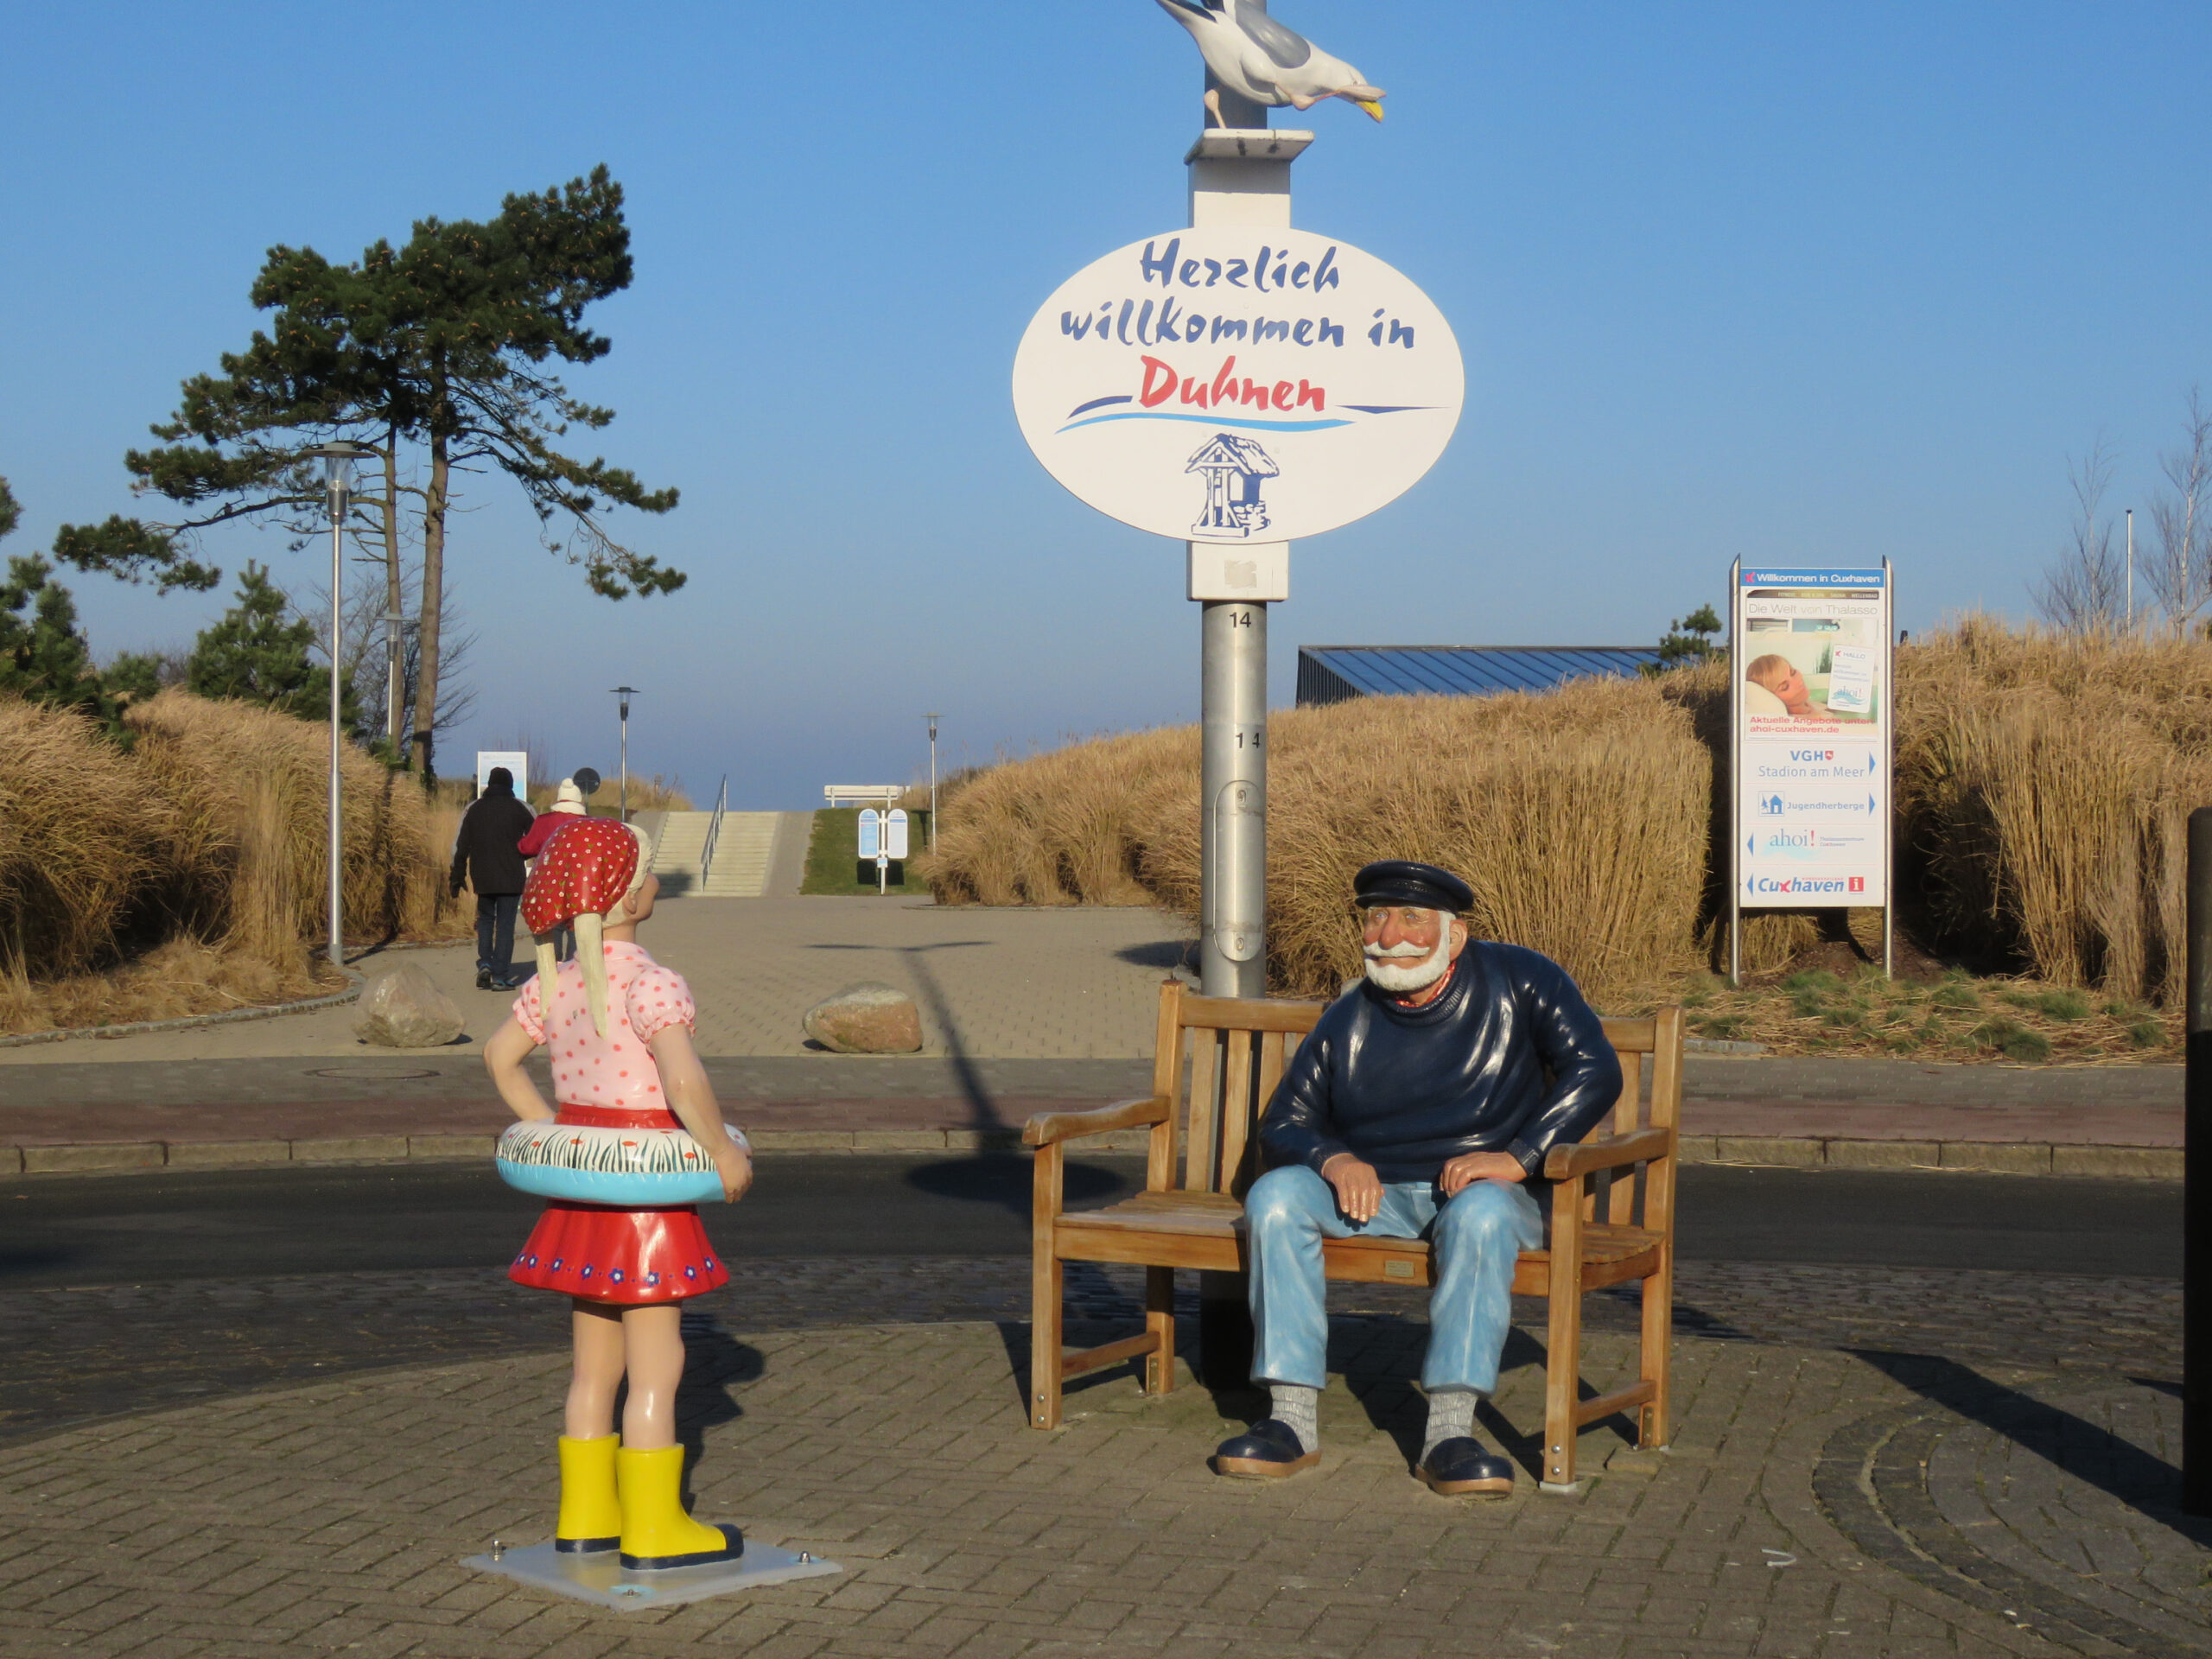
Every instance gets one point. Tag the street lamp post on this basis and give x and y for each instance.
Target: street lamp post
(337, 475)
(933, 720)
(394, 626)
(624, 692)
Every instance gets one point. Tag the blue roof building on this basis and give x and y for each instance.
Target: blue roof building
(1335, 673)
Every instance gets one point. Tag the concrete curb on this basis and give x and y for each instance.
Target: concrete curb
(1985, 1157)
(193, 1021)
(2005, 1157)
(113, 1156)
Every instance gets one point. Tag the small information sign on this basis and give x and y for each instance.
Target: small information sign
(516, 762)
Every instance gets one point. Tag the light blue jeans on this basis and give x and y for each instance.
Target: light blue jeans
(1476, 1235)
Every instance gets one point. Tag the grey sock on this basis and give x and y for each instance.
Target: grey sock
(1451, 1416)
(1301, 1410)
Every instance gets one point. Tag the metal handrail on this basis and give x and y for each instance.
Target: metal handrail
(714, 832)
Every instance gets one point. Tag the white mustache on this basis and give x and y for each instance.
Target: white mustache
(1395, 952)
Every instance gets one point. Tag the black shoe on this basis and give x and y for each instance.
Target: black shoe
(485, 982)
(1459, 1466)
(1267, 1451)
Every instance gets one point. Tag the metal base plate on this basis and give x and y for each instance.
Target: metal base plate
(601, 1578)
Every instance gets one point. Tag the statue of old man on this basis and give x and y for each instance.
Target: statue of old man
(1421, 1106)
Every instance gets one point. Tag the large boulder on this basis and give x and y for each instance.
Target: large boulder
(868, 1019)
(405, 1009)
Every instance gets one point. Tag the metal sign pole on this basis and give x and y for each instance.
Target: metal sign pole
(1233, 799)
(1889, 691)
(2197, 1172)
(1238, 178)
(1735, 771)
(335, 947)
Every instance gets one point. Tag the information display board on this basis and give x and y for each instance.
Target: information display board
(1811, 700)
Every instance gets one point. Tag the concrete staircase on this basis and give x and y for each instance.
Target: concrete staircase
(743, 853)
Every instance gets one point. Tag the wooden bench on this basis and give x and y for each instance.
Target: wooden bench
(1215, 1068)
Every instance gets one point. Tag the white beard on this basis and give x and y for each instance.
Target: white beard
(1401, 971)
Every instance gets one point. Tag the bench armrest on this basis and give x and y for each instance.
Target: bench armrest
(1047, 1128)
(1607, 1151)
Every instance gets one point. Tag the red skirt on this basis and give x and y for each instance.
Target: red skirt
(633, 1257)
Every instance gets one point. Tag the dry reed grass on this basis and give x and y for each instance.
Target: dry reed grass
(1579, 817)
(2045, 782)
(1069, 827)
(81, 833)
(250, 786)
(185, 874)
(181, 977)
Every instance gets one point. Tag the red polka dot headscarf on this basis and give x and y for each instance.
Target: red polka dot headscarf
(583, 876)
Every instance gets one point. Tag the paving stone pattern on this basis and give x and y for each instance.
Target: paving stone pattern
(1066, 984)
(331, 1518)
(80, 1355)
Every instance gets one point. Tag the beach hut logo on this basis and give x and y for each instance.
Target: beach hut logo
(1233, 468)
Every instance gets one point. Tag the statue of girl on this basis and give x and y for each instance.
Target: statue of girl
(619, 1026)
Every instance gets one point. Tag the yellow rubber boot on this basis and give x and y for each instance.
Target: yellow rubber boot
(591, 1514)
(656, 1532)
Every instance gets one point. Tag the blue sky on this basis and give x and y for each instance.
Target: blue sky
(1730, 279)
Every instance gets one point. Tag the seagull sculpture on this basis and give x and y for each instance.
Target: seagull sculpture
(1256, 57)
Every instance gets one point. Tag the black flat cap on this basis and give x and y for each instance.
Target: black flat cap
(1402, 881)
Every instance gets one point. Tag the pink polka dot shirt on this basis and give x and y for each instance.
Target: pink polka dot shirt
(643, 998)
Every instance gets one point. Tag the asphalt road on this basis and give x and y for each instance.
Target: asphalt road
(63, 1231)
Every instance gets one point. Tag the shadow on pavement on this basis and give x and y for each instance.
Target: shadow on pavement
(1161, 953)
(714, 1362)
(2114, 1465)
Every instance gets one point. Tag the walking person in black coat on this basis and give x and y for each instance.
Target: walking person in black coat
(485, 853)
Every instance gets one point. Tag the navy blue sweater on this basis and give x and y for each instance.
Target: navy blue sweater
(1408, 1090)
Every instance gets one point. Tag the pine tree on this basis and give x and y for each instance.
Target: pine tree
(136, 676)
(1688, 641)
(445, 342)
(43, 653)
(258, 651)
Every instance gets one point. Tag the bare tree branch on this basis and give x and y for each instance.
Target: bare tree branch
(2179, 574)
(2083, 591)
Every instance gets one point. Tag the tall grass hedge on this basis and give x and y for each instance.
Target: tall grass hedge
(2044, 783)
(209, 828)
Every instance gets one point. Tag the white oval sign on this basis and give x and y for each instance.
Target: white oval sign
(1238, 386)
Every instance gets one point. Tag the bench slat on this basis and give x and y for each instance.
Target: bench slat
(1238, 1014)
(1236, 1112)
(1204, 1110)
(1632, 1036)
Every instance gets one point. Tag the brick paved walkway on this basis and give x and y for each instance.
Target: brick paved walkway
(1064, 984)
(1021, 1008)
(1814, 1502)
(78, 1354)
